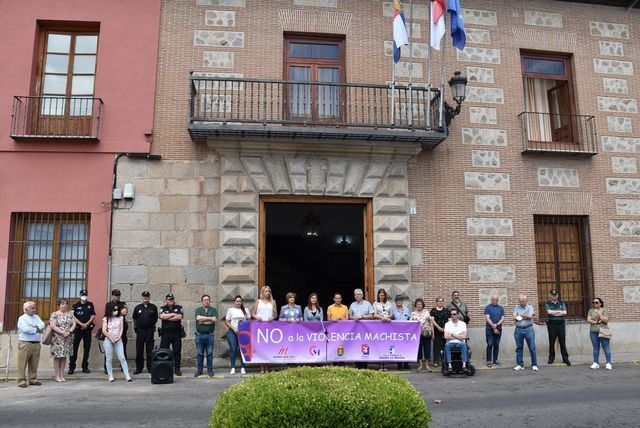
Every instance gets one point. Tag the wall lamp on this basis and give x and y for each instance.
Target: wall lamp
(458, 85)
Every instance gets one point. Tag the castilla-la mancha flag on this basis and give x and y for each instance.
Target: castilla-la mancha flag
(438, 9)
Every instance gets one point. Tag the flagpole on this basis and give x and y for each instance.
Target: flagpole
(429, 70)
(393, 89)
(443, 44)
(410, 106)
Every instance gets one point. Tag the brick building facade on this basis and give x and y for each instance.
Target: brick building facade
(505, 203)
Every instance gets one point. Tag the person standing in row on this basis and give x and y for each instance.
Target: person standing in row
(313, 311)
(206, 317)
(460, 306)
(30, 328)
(85, 314)
(494, 318)
(232, 319)
(265, 310)
(113, 330)
(145, 317)
(598, 320)
(523, 315)
(291, 312)
(63, 324)
(337, 311)
(171, 316)
(382, 311)
(426, 333)
(360, 310)
(556, 311)
(123, 311)
(440, 316)
(401, 313)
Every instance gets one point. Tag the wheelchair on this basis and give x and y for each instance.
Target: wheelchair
(456, 362)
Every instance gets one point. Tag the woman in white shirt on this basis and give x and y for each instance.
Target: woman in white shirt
(232, 319)
(265, 310)
(382, 311)
(112, 328)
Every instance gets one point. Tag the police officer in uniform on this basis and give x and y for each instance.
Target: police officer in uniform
(145, 316)
(115, 297)
(85, 313)
(171, 316)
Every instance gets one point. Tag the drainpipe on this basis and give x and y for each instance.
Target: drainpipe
(147, 156)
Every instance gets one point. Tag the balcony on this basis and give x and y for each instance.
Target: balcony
(56, 117)
(232, 108)
(556, 134)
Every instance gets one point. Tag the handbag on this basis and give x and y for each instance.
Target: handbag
(183, 333)
(605, 332)
(47, 336)
(100, 335)
(426, 331)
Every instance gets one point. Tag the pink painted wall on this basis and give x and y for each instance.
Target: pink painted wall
(125, 74)
(86, 187)
(49, 176)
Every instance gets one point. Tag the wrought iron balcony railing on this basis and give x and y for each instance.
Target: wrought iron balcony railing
(560, 134)
(225, 106)
(56, 117)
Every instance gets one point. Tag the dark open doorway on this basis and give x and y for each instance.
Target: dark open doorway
(295, 258)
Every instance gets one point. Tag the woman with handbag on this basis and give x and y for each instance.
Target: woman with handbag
(426, 332)
(112, 328)
(62, 324)
(600, 333)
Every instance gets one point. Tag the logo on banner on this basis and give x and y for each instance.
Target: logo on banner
(392, 350)
(365, 349)
(314, 351)
(340, 350)
(283, 351)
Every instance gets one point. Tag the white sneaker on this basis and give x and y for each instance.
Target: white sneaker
(608, 366)
(518, 368)
(594, 366)
(243, 371)
(110, 378)
(534, 368)
(233, 371)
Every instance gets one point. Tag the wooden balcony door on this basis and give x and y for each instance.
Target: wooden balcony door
(65, 89)
(314, 60)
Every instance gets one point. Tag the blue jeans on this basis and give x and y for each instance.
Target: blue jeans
(234, 347)
(522, 334)
(493, 346)
(450, 345)
(596, 342)
(108, 352)
(204, 344)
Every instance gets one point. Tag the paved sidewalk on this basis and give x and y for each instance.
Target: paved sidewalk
(221, 368)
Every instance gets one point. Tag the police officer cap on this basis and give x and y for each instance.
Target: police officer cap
(399, 297)
(115, 292)
(553, 292)
(84, 292)
(146, 294)
(169, 296)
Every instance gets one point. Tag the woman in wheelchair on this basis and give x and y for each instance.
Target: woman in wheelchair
(455, 333)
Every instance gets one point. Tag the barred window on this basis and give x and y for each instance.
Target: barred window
(563, 259)
(48, 260)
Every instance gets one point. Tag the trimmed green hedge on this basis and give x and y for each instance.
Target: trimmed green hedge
(321, 397)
